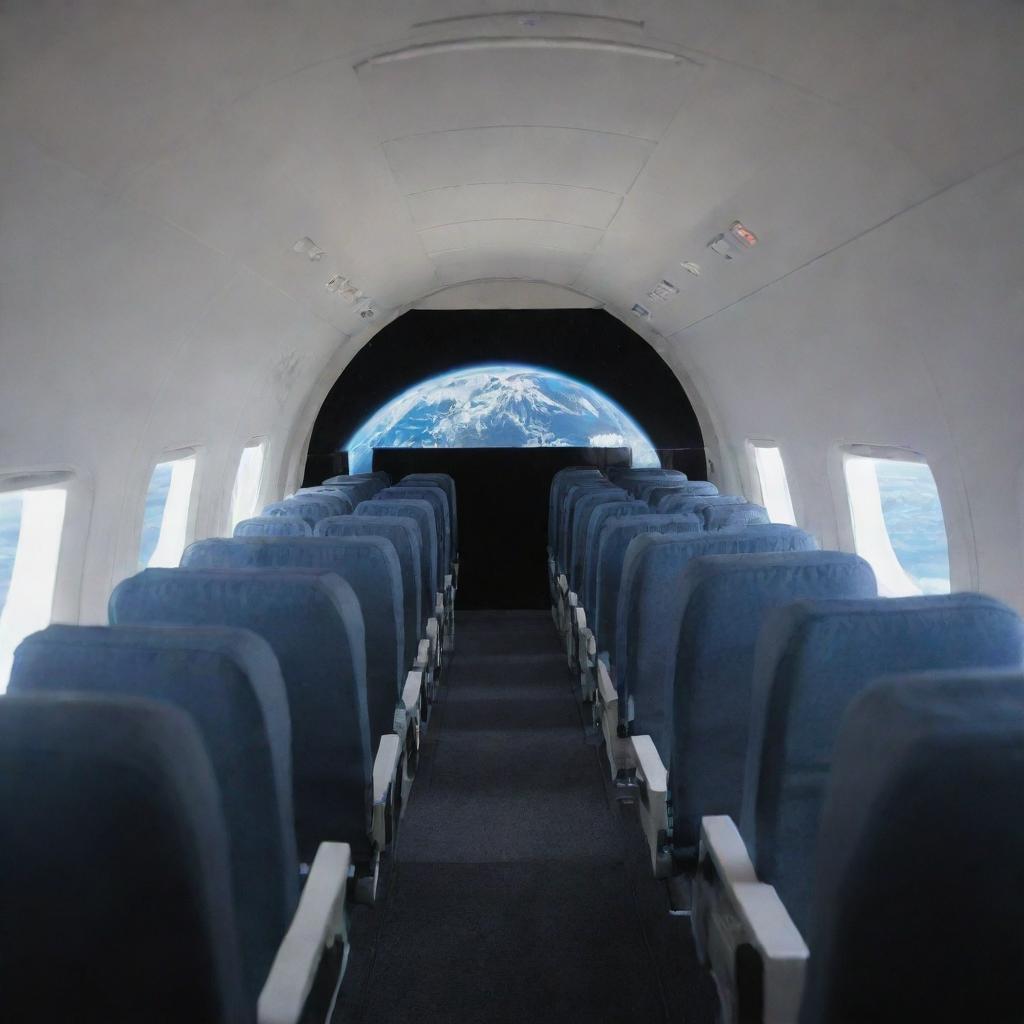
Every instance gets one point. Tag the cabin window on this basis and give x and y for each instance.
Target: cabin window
(771, 475)
(165, 521)
(897, 522)
(246, 492)
(31, 523)
(500, 406)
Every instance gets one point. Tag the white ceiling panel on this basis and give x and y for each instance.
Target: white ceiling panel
(587, 206)
(557, 156)
(597, 90)
(511, 233)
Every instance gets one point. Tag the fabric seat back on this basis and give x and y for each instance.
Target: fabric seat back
(369, 564)
(813, 658)
(560, 483)
(311, 509)
(114, 874)
(313, 623)
(273, 526)
(447, 484)
(686, 488)
(229, 683)
(423, 514)
(733, 517)
(585, 506)
(601, 515)
(404, 534)
(679, 501)
(438, 501)
(925, 788)
(706, 712)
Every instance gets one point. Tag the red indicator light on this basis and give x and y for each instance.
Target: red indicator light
(743, 235)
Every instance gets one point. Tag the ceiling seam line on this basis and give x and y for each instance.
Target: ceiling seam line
(853, 238)
(524, 181)
(489, 127)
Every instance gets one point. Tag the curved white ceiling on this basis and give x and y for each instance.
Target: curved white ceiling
(594, 149)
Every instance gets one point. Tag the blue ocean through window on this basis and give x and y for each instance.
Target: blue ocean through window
(500, 406)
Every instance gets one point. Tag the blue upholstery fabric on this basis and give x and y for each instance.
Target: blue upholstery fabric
(560, 483)
(369, 564)
(585, 506)
(404, 534)
(633, 479)
(611, 556)
(423, 514)
(733, 517)
(617, 473)
(813, 658)
(356, 490)
(702, 720)
(567, 515)
(310, 509)
(924, 795)
(653, 493)
(681, 502)
(114, 875)
(442, 517)
(649, 613)
(229, 683)
(273, 526)
(333, 493)
(313, 622)
(378, 480)
(601, 515)
(447, 484)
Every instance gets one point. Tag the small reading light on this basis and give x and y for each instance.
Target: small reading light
(663, 291)
(310, 248)
(641, 311)
(743, 235)
(691, 268)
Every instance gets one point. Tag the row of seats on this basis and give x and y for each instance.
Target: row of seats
(200, 788)
(721, 658)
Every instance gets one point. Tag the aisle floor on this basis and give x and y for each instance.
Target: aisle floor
(520, 890)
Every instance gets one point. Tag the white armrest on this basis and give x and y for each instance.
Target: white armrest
(581, 617)
(563, 583)
(605, 687)
(319, 920)
(385, 771)
(731, 908)
(448, 582)
(648, 764)
(412, 691)
(573, 599)
(423, 653)
(653, 806)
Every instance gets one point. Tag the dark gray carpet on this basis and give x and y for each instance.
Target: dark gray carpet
(520, 891)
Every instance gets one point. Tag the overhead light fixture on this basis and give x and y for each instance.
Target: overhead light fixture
(351, 294)
(368, 314)
(641, 311)
(663, 291)
(743, 234)
(310, 248)
(691, 268)
(335, 283)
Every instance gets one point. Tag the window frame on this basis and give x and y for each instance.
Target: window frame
(63, 601)
(168, 455)
(753, 443)
(259, 441)
(889, 453)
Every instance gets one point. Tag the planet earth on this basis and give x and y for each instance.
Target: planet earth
(502, 406)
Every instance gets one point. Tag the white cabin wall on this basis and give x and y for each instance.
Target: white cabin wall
(122, 338)
(909, 335)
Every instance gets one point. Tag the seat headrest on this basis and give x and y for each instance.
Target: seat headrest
(925, 791)
(114, 871)
(273, 526)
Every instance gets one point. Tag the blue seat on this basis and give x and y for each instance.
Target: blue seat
(616, 537)
(333, 493)
(601, 515)
(114, 872)
(229, 683)
(447, 484)
(701, 723)
(633, 479)
(314, 625)
(312, 509)
(679, 501)
(422, 513)
(560, 483)
(361, 488)
(653, 492)
(566, 516)
(442, 517)
(370, 566)
(733, 517)
(924, 796)
(584, 510)
(649, 612)
(813, 658)
(404, 534)
(273, 526)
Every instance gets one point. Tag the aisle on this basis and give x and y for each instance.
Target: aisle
(519, 893)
